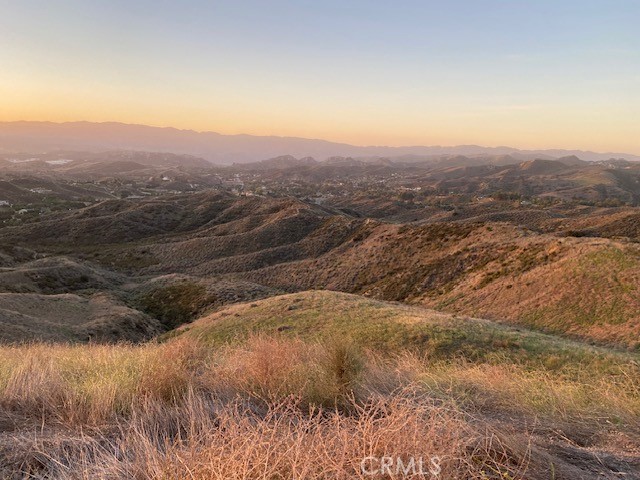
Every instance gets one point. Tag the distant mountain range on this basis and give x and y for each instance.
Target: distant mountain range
(226, 149)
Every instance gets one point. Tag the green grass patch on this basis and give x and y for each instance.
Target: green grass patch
(389, 329)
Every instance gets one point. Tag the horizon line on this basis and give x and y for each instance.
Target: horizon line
(398, 147)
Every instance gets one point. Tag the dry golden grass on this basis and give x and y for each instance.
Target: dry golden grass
(273, 408)
(205, 439)
(591, 396)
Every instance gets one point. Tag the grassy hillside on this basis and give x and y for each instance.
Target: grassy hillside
(590, 293)
(506, 376)
(308, 384)
(581, 287)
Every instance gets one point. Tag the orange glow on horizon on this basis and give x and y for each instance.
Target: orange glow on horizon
(535, 128)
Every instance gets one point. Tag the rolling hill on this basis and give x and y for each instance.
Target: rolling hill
(382, 326)
(495, 268)
(505, 318)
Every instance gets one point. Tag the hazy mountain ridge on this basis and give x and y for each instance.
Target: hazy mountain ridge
(227, 149)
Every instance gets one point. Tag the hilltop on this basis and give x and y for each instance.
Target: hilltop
(388, 327)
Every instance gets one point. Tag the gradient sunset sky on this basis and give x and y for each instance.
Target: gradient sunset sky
(528, 74)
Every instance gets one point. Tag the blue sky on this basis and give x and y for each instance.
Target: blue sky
(524, 73)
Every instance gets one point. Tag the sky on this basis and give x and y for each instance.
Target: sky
(527, 74)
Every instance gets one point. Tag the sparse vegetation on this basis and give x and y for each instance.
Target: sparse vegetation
(176, 304)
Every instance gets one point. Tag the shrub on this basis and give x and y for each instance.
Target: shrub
(176, 304)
